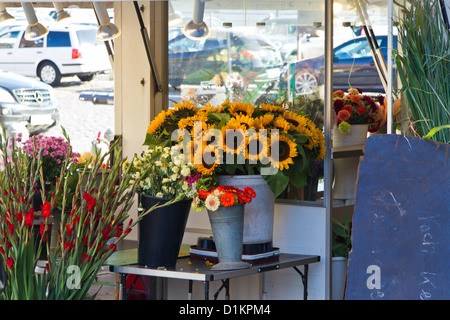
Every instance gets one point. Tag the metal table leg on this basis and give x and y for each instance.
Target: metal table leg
(190, 290)
(206, 283)
(123, 286)
(304, 280)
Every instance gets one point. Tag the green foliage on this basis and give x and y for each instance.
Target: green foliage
(93, 215)
(341, 237)
(424, 64)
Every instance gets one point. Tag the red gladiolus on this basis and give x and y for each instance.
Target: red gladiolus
(89, 200)
(10, 262)
(69, 230)
(19, 216)
(119, 230)
(106, 232)
(45, 208)
(113, 247)
(29, 218)
(86, 257)
(42, 231)
(10, 228)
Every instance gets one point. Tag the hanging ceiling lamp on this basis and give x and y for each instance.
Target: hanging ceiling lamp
(35, 30)
(174, 18)
(3, 14)
(60, 13)
(197, 29)
(106, 29)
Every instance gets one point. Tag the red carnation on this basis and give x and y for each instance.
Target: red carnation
(250, 192)
(361, 110)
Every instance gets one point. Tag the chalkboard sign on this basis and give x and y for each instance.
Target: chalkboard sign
(401, 222)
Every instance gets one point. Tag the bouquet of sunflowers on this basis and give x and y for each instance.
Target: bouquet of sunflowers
(242, 139)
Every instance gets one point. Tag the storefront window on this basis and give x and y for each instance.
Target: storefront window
(273, 52)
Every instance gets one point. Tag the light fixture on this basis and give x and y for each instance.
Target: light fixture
(60, 13)
(197, 29)
(106, 29)
(3, 14)
(174, 18)
(35, 30)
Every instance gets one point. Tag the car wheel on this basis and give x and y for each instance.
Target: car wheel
(305, 82)
(49, 73)
(85, 77)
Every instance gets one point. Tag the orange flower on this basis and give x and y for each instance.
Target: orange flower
(338, 93)
(343, 115)
(354, 98)
(227, 199)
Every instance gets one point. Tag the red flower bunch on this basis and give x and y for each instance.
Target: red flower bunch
(356, 108)
(226, 196)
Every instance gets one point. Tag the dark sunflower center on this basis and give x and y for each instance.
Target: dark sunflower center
(255, 147)
(284, 151)
(234, 139)
(292, 121)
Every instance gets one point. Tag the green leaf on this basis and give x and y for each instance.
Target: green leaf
(436, 129)
(150, 140)
(277, 182)
(299, 179)
(220, 118)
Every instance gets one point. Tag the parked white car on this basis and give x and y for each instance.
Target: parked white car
(64, 51)
(27, 105)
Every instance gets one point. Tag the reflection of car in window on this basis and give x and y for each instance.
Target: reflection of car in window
(64, 51)
(252, 58)
(353, 67)
(26, 102)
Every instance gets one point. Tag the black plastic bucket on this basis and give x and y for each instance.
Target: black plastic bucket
(161, 232)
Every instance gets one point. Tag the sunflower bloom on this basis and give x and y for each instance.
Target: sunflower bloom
(157, 122)
(247, 121)
(294, 119)
(270, 108)
(287, 149)
(281, 124)
(263, 121)
(257, 147)
(234, 134)
(241, 108)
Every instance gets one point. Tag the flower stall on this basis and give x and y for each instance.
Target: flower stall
(252, 149)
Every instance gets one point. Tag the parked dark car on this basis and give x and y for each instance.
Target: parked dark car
(353, 66)
(237, 57)
(26, 101)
